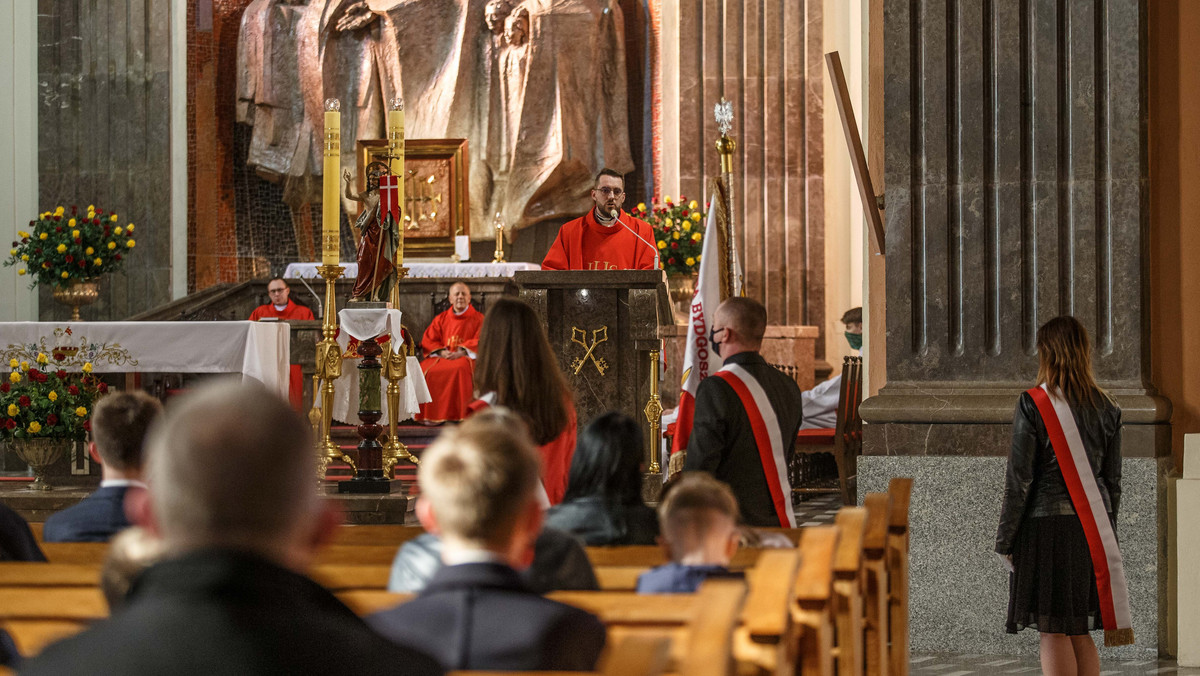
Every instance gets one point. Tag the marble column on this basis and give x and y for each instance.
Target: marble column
(1016, 191)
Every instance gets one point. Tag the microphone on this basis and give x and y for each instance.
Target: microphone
(616, 215)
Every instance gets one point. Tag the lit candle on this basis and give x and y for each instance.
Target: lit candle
(396, 150)
(330, 200)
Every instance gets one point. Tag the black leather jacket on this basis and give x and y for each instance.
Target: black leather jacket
(1034, 484)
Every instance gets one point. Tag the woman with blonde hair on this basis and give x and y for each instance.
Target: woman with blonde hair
(1057, 522)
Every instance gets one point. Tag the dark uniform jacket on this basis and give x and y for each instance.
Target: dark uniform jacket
(1034, 483)
(96, 518)
(723, 444)
(218, 612)
(484, 616)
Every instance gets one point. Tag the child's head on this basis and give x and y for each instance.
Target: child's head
(698, 520)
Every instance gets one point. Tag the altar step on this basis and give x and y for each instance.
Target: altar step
(416, 437)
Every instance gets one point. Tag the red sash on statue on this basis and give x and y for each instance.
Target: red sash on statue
(1089, 506)
(767, 436)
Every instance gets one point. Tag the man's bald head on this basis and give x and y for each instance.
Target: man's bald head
(232, 465)
(746, 317)
(460, 296)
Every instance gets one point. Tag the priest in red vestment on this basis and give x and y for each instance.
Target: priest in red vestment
(281, 307)
(449, 367)
(598, 240)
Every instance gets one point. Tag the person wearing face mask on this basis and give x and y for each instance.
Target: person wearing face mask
(746, 418)
(820, 403)
(449, 367)
(605, 238)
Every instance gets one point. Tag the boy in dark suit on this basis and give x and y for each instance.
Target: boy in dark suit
(698, 520)
(479, 493)
(119, 424)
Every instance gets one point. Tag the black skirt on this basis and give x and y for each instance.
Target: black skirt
(1053, 587)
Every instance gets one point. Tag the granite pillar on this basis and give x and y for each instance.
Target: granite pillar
(1015, 165)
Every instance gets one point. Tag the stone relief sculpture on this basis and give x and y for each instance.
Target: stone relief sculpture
(536, 86)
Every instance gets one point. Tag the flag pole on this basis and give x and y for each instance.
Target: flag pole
(723, 112)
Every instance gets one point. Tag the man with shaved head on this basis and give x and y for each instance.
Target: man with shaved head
(746, 419)
(449, 367)
(232, 495)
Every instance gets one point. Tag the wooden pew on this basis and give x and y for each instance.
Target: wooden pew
(847, 587)
(764, 642)
(900, 493)
(814, 607)
(875, 584)
(631, 656)
(36, 616)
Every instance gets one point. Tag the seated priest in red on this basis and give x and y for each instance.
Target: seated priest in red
(449, 344)
(605, 238)
(281, 307)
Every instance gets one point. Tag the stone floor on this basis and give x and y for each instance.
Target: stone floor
(941, 664)
(817, 510)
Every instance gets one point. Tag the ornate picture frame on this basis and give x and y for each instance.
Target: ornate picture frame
(436, 195)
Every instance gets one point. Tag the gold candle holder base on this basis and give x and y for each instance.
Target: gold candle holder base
(329, 369)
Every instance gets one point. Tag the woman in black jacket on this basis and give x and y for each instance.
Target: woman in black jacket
(603, 504)
(1053, 585)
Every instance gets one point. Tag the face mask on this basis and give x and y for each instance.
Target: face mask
(712, 340)
(855, 340)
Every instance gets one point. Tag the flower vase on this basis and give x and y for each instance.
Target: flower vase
(39, 454)
(77, 294)
(682, 288)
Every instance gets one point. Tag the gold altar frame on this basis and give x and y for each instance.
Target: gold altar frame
(455, 218)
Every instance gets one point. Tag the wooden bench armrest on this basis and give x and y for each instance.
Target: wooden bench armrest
(765, 614)
(852, 522)
(710, 646)
(900, 491)
(875, 531)
(814, 579)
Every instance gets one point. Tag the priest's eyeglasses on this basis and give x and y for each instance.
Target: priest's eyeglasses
(610, 192)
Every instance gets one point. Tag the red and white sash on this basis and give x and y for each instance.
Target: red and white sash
(1089, 506)
(767, 436)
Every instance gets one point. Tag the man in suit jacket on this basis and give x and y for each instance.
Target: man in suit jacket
(17, 542)
(479, 493)
(119, 425)
(746, 418)
(230, 474)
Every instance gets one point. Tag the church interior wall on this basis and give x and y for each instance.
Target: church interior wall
(18, 144)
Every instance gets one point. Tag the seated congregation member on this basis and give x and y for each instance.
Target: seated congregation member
(746, 418)
(820, 403)
(282, 307)
(606, 237)
(603, 503)
(479, 493)
(449, 344)
(518, 370)
(698, 518)
(230, 474)
(17, 542)
(119, 425)
(131, 551)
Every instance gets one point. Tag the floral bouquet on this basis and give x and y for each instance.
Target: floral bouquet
(61, 248)
(41, 400)
(678, 233)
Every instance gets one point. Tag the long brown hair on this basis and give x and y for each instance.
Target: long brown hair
(1065, 361)
(516, 363)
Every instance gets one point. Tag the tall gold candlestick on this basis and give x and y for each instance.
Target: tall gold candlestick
(654, 411)
(499, 253)
(329, 369)
(330, 200)
(396, 153)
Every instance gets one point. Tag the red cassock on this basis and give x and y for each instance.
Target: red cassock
(291, 311)
(451, 381)
(584, 244)
(556, 454)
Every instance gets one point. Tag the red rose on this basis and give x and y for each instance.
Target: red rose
(83, 264)
(103, 387)
(96, 221)
(671, 260)
(708, 204)
(23, 400)
(51, 420)
(73, 210)
(118, 256)
(674, 245)
(5, 387)
(10, 424)
(682, 199)
(16, 244)
(79, 240)
(70, 258)
(62, 375)
(59, 356)
(684, 214)
(58, 229)
(72, 390)
(57, 217)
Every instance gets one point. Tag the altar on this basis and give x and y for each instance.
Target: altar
(422, 270)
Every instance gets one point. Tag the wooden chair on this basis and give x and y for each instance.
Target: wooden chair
(900, 494)
(848, 587)
(844, 441)
(814, 608)
(875, 584)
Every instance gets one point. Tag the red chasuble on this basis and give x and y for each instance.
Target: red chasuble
(556, 454)
(584, 244)
(451, 381)
(291, 311)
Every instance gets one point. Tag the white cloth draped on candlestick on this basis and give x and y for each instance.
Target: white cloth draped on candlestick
(364, 324)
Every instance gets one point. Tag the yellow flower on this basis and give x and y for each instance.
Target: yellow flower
(46, 265)
(693, 206)
(112, 245)
(64, 274)
(690, 261)
(662, 244)
(698, 258)
(75, 233)
(641, 206)
(118, 230)
(130, 244)
(53, 396)
(14, 363)
(22, 233)
(81, 411)
(113, 218)
(14, 377)
(695, 216)
(24, 366)
(670, 223)
(72, 224)
(24, 257)
(59, 211)
(87, 367)
(696, 237)
(12, 252)
(35, 427)
(96, 261)
(41, 358)
(42, 236)
(21, 271)
(687, 226)
(129, 228)
(61, 248)
(13, 410)
(674, 235)
(91, 207)
(666, 198)
(89, 251)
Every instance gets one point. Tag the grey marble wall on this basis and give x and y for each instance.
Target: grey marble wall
(103, 134)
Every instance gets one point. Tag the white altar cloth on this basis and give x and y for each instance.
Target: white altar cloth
(442, 269)
(258, 350)
(363, 324)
